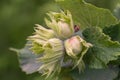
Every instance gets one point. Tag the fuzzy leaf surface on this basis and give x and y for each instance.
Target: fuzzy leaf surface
(104, 49)
(113, 32)
(88, 15)
(95, 74)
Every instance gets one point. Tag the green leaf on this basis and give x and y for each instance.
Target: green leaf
(87, 15)
(118, 77)
(103, 51)
(113, 32)
(95, 74)
(117, 10)
(111, 4)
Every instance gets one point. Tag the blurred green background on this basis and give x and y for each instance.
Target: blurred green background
(17, 19)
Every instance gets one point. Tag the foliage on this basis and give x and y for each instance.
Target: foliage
(89, 15)
(17, 18)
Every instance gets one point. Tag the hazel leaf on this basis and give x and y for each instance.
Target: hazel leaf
(104, 49)
(113, 31)
(88, 15)
(96, 74)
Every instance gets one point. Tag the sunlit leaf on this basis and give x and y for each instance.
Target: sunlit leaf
(87, 15)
